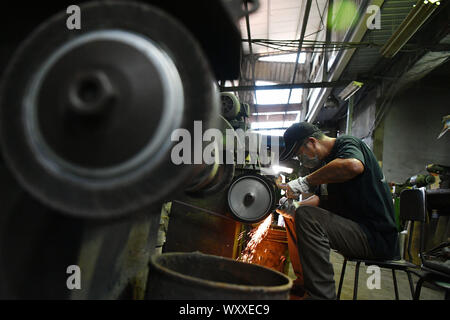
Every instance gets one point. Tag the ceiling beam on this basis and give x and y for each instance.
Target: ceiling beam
(301, 85)
(279, 107)
(274, 117)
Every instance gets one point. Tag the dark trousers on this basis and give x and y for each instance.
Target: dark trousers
(312, 233)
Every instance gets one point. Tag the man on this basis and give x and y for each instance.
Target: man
(360, 218)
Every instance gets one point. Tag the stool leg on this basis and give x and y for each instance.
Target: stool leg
(411, 284)
(355, 288)
(394, 278)
(418, 288)
(341, 279)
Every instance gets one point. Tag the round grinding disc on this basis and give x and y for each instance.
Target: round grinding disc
(250, 198)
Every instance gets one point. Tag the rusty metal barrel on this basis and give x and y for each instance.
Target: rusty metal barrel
(206, 277)
(272, 251)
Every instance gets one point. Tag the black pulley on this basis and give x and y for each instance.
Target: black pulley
(230, 105)
(87, 115)
(251, 198)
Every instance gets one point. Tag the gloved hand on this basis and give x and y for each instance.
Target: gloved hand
(285, 186)
(299, 185)
(287, 207)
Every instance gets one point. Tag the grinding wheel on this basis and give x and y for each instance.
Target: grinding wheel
(87, 115)
(251, 198)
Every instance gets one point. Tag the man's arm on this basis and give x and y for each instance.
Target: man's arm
(313, 200)
(337, 171)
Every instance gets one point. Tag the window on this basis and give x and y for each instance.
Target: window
(277, 96)
(290, 57)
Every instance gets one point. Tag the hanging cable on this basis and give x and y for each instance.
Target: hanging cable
(300, 44)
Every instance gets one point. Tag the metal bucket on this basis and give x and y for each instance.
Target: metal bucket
(204, 277)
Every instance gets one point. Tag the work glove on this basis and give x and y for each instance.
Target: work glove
(299, 185)
(289, 192)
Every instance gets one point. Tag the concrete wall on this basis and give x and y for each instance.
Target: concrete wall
(362, 120)
(364, 117)
(410, 131)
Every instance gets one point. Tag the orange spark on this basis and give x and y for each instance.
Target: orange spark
(256, 236)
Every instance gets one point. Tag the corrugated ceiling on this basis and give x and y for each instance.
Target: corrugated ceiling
(393, 12)
(282, 20)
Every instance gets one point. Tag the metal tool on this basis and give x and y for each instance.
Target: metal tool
(417, 181)
(443, 172)
(288, 205)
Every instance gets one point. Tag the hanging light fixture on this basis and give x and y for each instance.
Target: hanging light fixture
(421, 11)
(350, 90)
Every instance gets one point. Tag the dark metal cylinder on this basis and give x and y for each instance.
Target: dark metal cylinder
(205, 277)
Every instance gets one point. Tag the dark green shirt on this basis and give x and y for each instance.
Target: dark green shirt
(365, 199)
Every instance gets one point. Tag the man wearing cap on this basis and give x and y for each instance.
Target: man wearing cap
(359, 221)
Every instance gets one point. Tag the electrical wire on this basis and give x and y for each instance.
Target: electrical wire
(312, 43)
(291, 46)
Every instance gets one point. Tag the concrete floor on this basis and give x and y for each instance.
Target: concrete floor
(386, 291)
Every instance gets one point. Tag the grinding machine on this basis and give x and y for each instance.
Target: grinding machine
(85, 127)
(86, 117)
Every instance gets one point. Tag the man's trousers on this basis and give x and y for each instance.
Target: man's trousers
(311, 235)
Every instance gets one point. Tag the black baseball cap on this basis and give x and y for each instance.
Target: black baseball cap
(294, 136)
